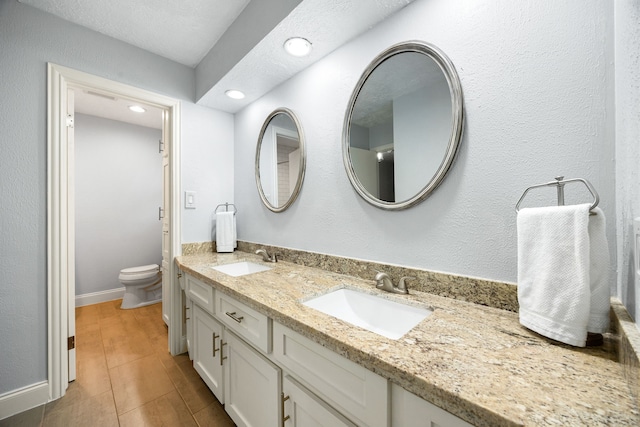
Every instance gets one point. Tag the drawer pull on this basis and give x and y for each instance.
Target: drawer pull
(234, 316)
(222, 344)
(215, 337)
(284, 418)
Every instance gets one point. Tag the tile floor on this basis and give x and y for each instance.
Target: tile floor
(126, 377)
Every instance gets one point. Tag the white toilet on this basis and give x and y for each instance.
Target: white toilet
(143, 285)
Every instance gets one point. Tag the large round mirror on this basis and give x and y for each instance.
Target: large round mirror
(280, 160)
(403, 125)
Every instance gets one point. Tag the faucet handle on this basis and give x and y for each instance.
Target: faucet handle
(381, 275)
(402, 284)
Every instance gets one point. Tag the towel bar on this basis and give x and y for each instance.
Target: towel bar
(226, 207)
(560, 183)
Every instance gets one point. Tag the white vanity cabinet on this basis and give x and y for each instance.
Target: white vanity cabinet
(207, 353)
(409, 410)
(304, 409)
(268, 375)
(241, 378)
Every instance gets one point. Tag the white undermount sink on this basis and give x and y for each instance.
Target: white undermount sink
(382, 316)
(241, 268)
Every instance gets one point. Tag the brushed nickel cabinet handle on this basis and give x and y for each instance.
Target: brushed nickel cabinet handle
(215, 337)
(222, 344)
(284, 418)
(234, 316)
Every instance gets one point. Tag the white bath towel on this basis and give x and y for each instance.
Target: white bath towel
(563, 263)
(225, 231)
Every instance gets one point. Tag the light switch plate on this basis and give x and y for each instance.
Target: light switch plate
(189, 199)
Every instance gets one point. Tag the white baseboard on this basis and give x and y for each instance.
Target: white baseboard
(23, 399)
(98, 297)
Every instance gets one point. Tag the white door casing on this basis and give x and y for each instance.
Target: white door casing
(60, 232)
(71, 221)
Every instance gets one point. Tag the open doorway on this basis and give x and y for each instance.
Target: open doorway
(62, 82)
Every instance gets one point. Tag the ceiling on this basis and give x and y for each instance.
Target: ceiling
(192, 32)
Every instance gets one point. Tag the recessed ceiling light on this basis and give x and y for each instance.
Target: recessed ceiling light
(136, 109)
(297, 46)
(235, 94)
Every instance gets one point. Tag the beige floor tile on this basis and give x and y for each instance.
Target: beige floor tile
(138, 382)
(87, 316)
(167, 410)
(108, 309)
(193, 390)
(92, 373)
(213, 416)
(30, 418)
(123, 343)
(151, 327)
(81, 411)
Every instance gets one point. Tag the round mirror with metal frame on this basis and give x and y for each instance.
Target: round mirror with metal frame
(280, 160)
(403, 125)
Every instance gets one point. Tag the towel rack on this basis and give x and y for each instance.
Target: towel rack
(560, 183)
(226, 207)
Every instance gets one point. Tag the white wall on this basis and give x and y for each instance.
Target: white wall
(29, 39)
(627, 48)
(207, 168)
(538, 82)
(118, 191)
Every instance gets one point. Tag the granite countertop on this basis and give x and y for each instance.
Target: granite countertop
(474, 361)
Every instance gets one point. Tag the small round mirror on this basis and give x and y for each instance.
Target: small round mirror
(403, 125)
(280, 160)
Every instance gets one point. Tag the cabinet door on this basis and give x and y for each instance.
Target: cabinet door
(305, 409)
(252, 386)
(207, 353)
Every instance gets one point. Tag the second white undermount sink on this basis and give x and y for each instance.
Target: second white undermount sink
(241, 268)
(376, 314)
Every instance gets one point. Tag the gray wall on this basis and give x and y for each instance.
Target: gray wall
(118, 190)
(627, 36)
(29, 39)
(538, 81)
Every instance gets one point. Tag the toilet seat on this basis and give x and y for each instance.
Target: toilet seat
(138, 273)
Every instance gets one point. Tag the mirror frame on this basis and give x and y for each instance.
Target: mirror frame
(457, 111)
(303, 160)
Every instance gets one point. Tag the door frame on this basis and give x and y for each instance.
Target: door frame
(60, 231)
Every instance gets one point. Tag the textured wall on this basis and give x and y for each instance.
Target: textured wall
(28, 39)
(538, 81)
(207, 168)
(118, 175)
(627, 45)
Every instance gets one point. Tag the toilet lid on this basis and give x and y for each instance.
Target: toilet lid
(141, 269)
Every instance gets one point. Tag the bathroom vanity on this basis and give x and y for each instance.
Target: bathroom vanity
(273, 361)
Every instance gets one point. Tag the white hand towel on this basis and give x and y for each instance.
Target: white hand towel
(599, 274)
(562, 272)
(225, 231)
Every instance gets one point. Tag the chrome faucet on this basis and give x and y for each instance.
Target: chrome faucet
(384, 282)
(266, 257)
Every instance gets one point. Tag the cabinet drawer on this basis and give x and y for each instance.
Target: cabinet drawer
(409, 410)
(355, 391)
(200, 293)
(254, 327)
